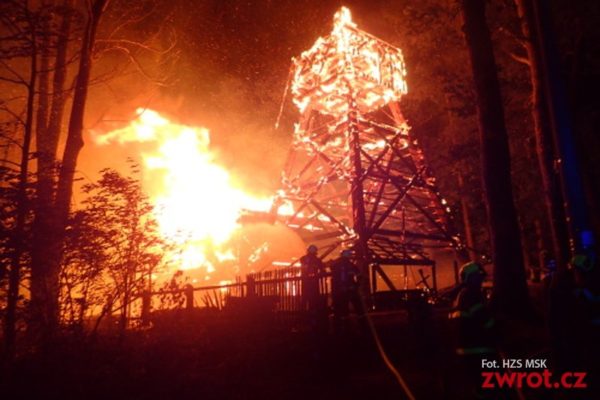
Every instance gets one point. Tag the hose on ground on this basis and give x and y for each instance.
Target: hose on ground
(384, 355)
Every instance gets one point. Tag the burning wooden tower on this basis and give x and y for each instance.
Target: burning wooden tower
(355, 178)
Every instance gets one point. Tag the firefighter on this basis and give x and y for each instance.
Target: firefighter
(587, 280)
(587, 302)
(471, 311)
(345, 282)
(562, 320)
(475, 324)
(312, 269)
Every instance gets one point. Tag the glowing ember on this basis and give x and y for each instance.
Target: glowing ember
(196, 202)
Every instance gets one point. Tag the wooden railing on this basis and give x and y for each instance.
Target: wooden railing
(279, 291)
(282, 286)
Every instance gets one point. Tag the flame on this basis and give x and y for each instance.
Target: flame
(348, 62)
(196, 202)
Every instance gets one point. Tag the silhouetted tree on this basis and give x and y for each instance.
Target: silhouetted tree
(22, 43)
(56, 174)
(543, 135)
(510, 294)
(47, 248)
(113, 248)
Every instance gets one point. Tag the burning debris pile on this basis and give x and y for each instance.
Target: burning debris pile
(197, 203)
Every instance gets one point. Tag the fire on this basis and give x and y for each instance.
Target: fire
(348, 63)
(197, 203)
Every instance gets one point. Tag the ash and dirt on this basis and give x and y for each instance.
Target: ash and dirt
(246, 354)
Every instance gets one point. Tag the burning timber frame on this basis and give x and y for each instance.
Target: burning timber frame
(354, 177)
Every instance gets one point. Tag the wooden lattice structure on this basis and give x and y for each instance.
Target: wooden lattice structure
(355, 178)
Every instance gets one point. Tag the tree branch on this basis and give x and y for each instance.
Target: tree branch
(521, 40)
(15, 81)
(14, 114)
(521, 59)
(10, 69)
(121, 42)
(138, 66)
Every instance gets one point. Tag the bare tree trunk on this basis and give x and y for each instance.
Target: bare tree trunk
(47, 144)
(579, 230)
(22, 204)
(510, 294)
(75, 133)
(41, 121)
(47, 138)
(543, 137)
(46, 271)
(466, 219)
(59, 95)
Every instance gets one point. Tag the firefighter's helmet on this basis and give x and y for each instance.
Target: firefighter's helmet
(582, 262)
(312, 249)
(471, 269)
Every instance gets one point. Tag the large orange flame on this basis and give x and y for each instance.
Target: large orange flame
(197, 203)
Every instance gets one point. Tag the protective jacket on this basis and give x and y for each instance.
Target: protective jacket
(475, 325)
(344, 275)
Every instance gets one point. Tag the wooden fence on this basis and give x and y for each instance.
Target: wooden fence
(283, 287)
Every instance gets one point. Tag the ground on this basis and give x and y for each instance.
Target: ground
(233, 355)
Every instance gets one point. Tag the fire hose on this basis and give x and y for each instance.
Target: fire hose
(388, 363)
